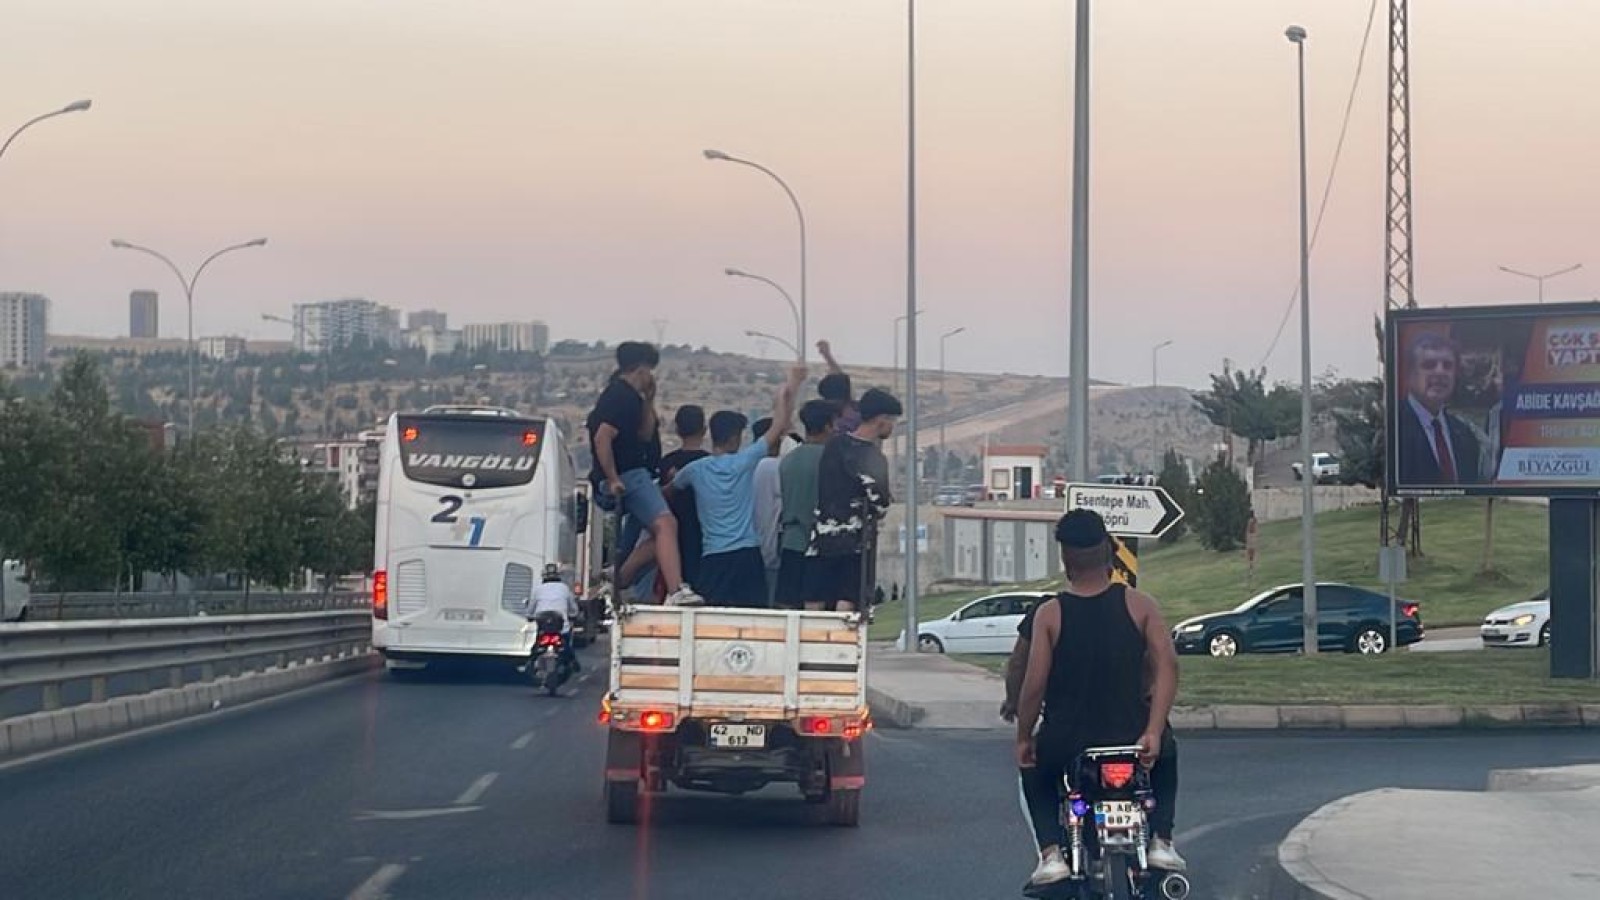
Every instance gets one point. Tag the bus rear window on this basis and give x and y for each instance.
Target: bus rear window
(469, 452)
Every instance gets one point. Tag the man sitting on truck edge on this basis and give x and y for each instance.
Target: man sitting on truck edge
(690, 424)
(1095, 645)
(852, 494)
(1163, 776)
(731, 571)
(624, 461)
(797, 481)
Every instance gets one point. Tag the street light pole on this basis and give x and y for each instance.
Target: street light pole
(895, 440)
(1155, 371)
(1078, 340)
(1308, 531)
(188, 293)
(719, 156)
(911, 325)
(322, 351)
(799, 332)
(79, 106)
(944, 401)
(772, 337)
(1541, 278)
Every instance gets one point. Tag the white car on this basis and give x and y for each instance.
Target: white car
(986, 625)
(1525, 624)
(1324, 467)
(13, 591)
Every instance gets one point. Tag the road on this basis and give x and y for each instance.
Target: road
(473, 788)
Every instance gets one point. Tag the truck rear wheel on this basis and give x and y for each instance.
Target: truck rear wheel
(844, 808)
(624, 756)
(622, 802)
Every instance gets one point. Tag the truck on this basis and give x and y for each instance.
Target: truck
(1324, 468)
(14, 592)
(731, 700)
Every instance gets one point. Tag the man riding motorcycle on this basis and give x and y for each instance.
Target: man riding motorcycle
(554, 596)
(1092, 647)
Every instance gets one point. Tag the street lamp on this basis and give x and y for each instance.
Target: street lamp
(79, 106)
(911, 325)
(1078, 314)
(772, 337)
(1155, 372)
(800, 334)
(1308, 563)
(719, 156)
(944, 402)
(1541, 278)
(188, 293)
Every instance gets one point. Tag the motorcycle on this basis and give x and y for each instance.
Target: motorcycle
(548, 665)
(1107, 817)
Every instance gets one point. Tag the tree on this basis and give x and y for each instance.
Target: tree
(1241, 402)
(1174, 478)
(1222, 507)
(1358, 424)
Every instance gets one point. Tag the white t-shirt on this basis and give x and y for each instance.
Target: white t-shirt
(768, 509)
(556, 597)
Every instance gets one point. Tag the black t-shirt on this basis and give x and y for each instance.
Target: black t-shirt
(621, 407)
(852, 487)
(682, 503)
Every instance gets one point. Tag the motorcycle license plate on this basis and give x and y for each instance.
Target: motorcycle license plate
(1118, 815)
(732, 736)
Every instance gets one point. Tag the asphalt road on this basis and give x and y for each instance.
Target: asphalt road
(475, 788)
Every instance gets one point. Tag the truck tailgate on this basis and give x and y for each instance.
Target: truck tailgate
(717, 661)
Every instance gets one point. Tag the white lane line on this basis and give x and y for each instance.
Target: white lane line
(402, 815)
(376, 887)
(476, 789)
(522, 743)
(1195, 834)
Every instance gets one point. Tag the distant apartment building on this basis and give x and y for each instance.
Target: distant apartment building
(24, 322)
(507, 337)
(434, 341)
(332, 324)
(226, 349)
(144, 314)
(427, 318)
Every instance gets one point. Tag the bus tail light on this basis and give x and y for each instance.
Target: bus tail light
(380, 594)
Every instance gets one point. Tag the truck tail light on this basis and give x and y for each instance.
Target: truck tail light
(380, 594)
(655, 720)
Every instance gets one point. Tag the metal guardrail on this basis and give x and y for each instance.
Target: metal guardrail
(81, 606)
(52, 655)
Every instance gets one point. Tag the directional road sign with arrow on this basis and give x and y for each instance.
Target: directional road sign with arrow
(1129, 510)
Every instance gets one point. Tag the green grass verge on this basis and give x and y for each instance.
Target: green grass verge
(1456, 679)
(1447, 580)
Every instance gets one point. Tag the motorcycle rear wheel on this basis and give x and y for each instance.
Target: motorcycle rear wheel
(1118, 884)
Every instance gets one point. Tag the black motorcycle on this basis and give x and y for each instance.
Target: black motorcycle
(549, 666)
(1108, 830)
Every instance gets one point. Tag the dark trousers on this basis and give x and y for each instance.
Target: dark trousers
(1042, 791)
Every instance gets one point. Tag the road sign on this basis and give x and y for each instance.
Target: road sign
(1125, 561)
(1129, 510)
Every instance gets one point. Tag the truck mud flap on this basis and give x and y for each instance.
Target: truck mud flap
(847, 766)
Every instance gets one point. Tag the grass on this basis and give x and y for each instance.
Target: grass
(1447, 580)
(1456, 679)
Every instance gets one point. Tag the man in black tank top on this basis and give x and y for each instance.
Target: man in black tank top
(1093, 646)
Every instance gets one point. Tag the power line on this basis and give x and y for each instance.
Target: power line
(1338, 150)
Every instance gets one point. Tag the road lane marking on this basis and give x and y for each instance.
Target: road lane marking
(398, 815)
(522, 743)
(377, 885)
(1194, 834)
(475, 790)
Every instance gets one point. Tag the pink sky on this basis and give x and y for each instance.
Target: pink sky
(514, 159)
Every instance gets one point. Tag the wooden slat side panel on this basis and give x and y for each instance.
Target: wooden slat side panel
(643, 681)
(753, 684)
(830, 687)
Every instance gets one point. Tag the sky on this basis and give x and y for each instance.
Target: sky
(532, 159)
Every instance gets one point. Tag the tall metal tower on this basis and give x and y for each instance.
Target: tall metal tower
(1399, 284)
(661, 330)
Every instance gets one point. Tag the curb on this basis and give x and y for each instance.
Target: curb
(892, 712)
(40, 732)
(1294, 875)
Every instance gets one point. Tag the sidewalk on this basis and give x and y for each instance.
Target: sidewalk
(1535, 833)
(930, 690)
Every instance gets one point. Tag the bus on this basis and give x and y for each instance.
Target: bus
(473, 502)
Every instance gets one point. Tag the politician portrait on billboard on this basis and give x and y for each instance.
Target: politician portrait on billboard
(1494, 400)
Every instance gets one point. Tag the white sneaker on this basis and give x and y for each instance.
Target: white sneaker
(685, 596)
(1051, 869)
(1161, 855)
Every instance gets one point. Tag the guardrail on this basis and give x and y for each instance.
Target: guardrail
(51, 656)
(80, 606)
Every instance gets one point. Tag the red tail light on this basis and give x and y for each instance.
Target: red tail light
(549, 640)
(655, 721)
(1116, 775)
(605, 710)
(380, 594)
(1409, 610)
(818, 725)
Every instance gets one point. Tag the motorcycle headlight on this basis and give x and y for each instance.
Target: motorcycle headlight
(1524, 619)
(1191, 628)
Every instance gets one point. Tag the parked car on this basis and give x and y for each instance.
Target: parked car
(13, 591)
(1324, 467)
(951, 495)
(986, 625)
(1525, 624)
(1349, 618)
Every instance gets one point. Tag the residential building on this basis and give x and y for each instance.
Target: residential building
(331, 324)
(427, 318)
(226, 349)
(144, 314)
(507, 337)
(434, 341)
(24, 322)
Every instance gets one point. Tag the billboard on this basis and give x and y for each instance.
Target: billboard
(1493, 401)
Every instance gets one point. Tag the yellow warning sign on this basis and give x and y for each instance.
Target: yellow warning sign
(1125, 561)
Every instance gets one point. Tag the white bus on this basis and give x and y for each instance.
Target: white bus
(473, 502)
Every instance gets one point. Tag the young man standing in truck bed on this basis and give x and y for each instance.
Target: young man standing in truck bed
(852, 495)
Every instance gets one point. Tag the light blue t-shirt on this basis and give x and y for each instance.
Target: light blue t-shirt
(725, 497)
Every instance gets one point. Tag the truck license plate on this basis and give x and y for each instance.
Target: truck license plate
(1117, 815)
(463, 615)
(738, 737)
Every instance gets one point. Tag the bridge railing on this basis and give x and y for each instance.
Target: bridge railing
(43, 664)
(163, 604)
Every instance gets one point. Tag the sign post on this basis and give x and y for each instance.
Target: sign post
(1392, 569)
(1130, 511)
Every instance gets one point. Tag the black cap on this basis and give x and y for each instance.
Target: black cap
(1081, 529)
